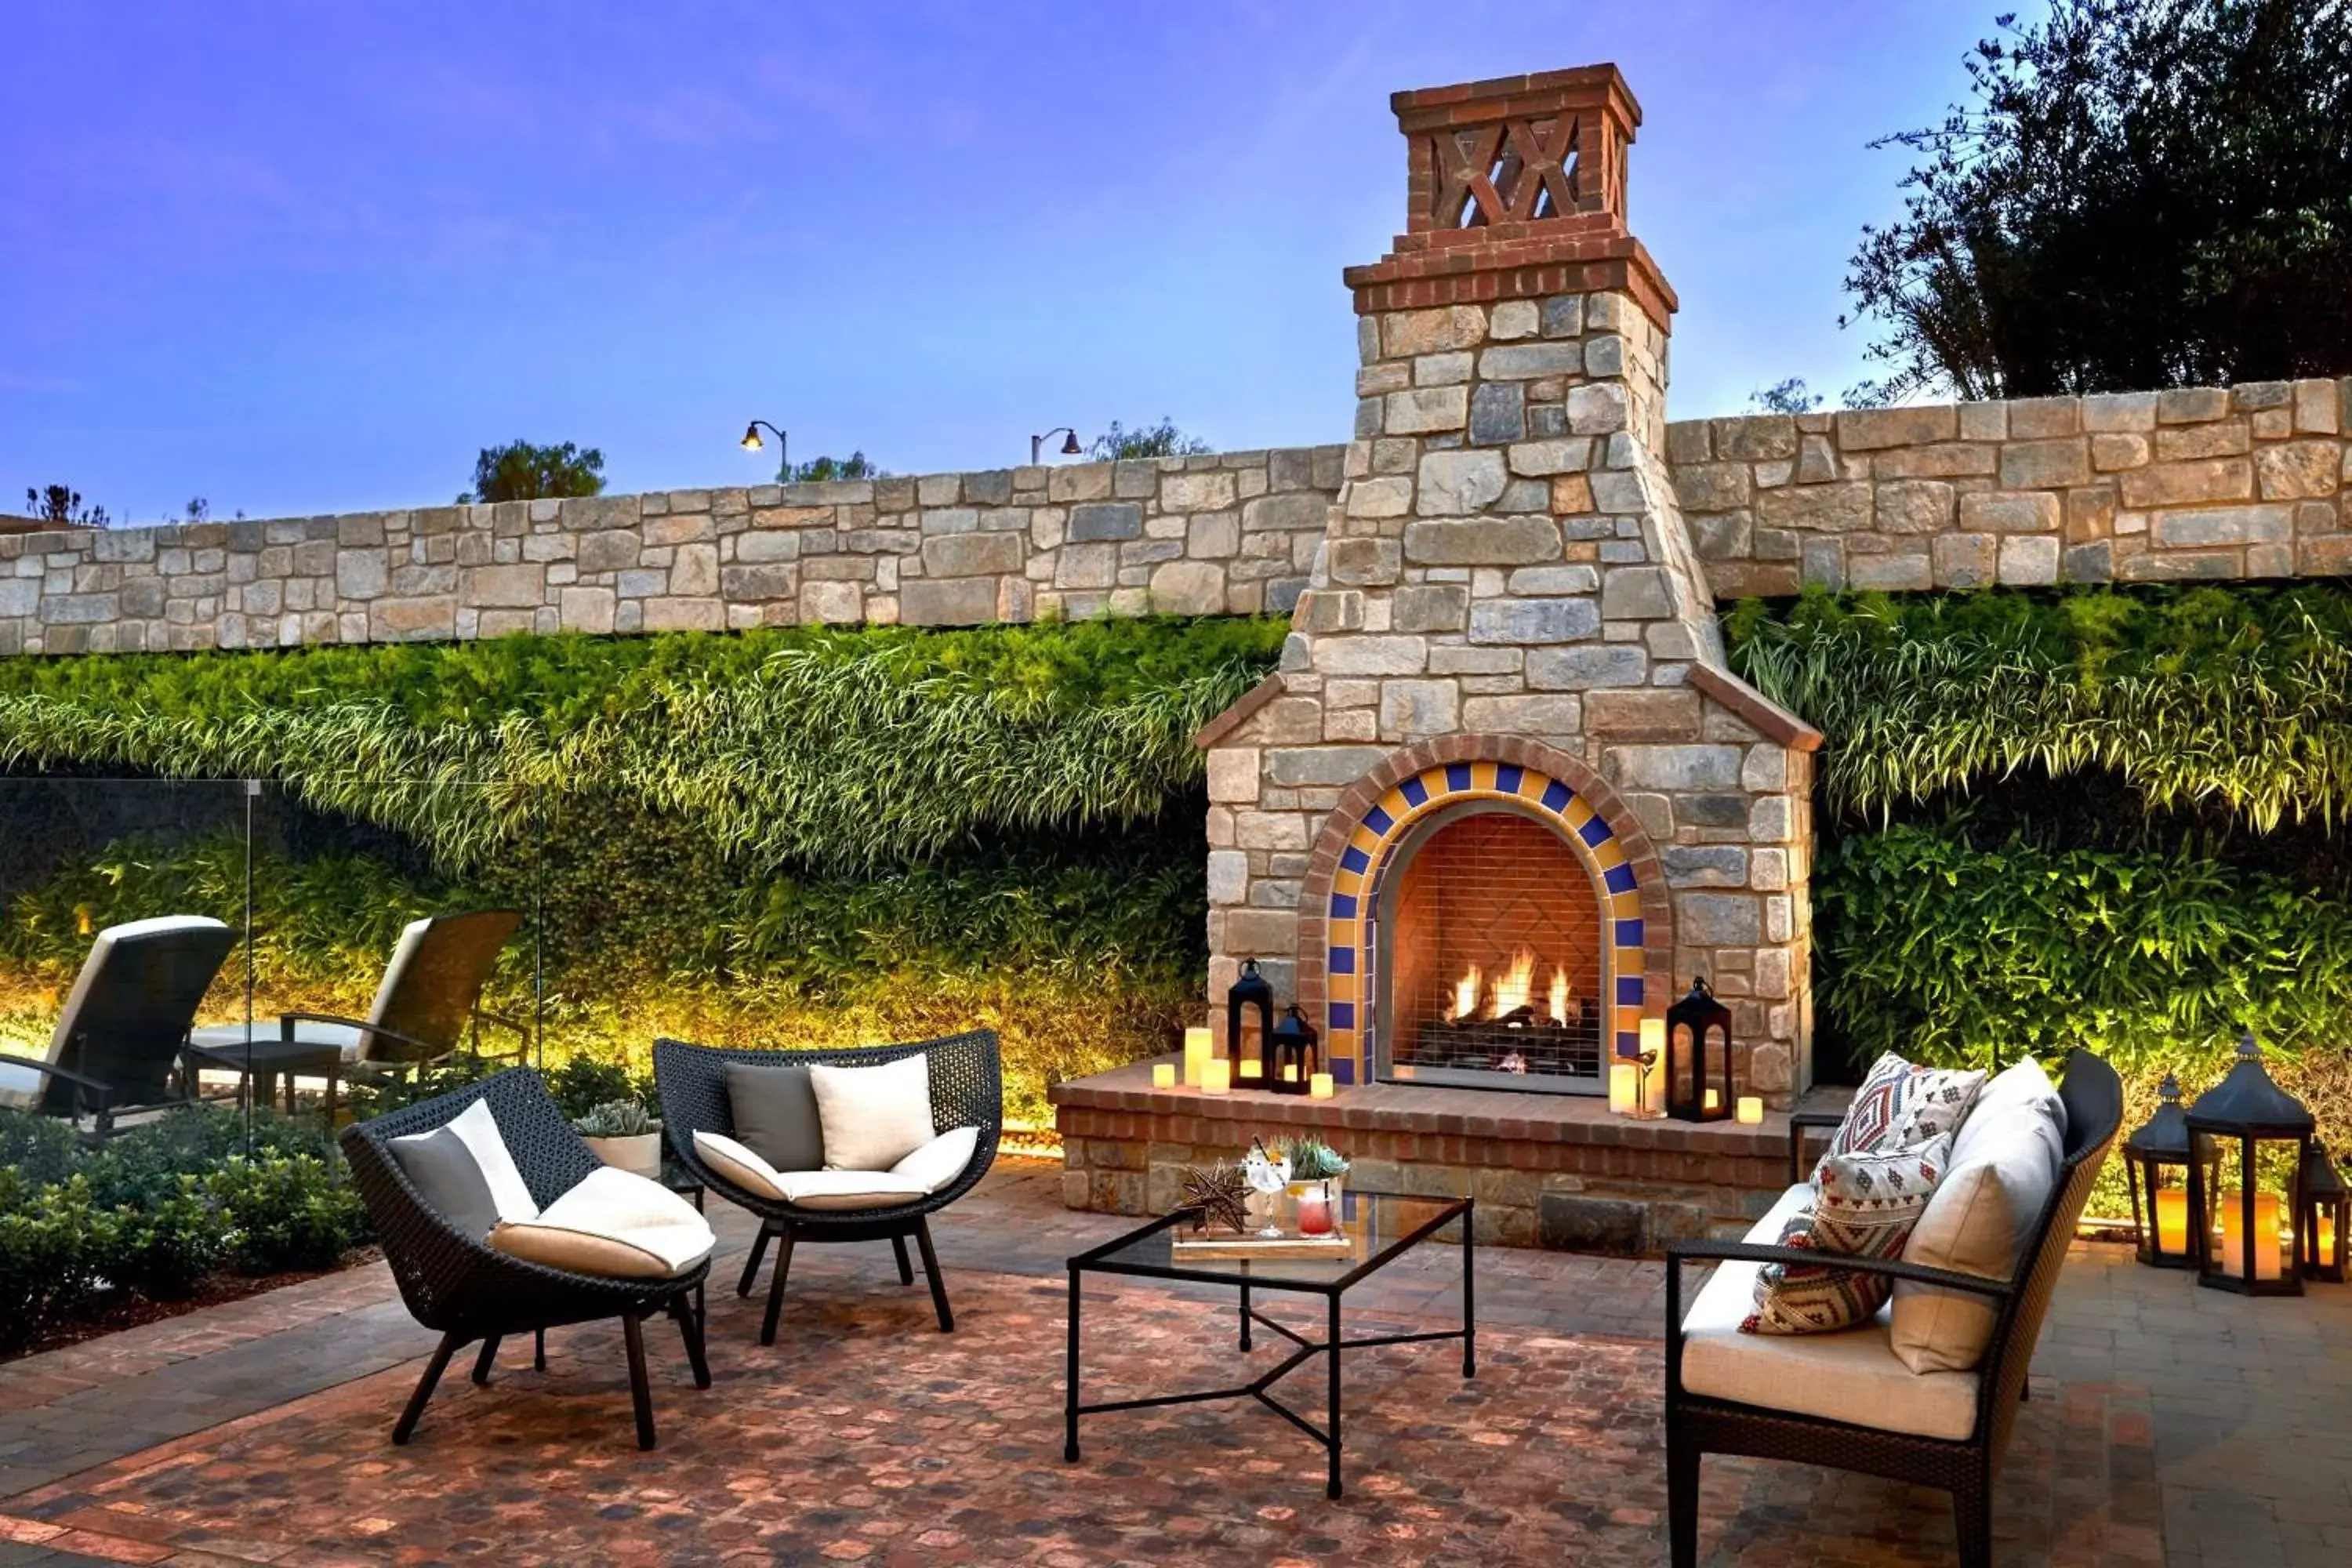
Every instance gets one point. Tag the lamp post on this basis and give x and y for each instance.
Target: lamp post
(752, 443)
(1070, 447)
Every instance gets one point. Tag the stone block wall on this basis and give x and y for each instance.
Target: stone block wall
(2203, 484)
(1228, 533)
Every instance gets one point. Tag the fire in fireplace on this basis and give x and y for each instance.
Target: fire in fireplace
(1494, 962)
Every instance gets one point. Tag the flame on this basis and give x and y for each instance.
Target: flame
(1557, 1007)
(1513, 987)
(1465, 992)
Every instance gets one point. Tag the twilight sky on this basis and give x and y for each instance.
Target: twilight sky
(308, 256)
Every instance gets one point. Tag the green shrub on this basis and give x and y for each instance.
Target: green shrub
(164, 1249)
(284, 1212)
(38, 1149)
(56, 1247)
(584, 1084)
(142, 1168)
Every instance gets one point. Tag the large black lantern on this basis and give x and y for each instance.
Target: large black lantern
(2156, 1158)
(2248, 1141)
(2322, 1237)
(1250, 991)
(1292, 1062)
(1698, 1056)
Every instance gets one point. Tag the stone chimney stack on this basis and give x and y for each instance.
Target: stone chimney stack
(1508, 598)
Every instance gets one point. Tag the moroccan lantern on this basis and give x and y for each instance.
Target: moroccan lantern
(2248, 1141)
(2156, 1158)
(1293, 1060)
(2326, 1226)
(1698, 1056)
(1250, 991)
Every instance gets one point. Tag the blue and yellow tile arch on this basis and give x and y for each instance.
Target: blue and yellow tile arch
(1371, 851)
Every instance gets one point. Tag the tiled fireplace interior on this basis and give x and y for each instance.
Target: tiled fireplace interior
(1491, 953)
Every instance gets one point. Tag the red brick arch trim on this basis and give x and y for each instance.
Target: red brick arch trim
(1410, 762)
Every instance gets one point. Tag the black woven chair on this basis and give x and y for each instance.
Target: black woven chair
(1697, 1425)
(457, 1284)
(967, 1090)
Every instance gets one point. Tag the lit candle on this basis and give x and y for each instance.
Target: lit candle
(1217, 1076)
(1249, 1069)
(1163, 1074)
(1624, 1087)
(2172, 1220)
(1290, 1072)
(2266, 1236)
(1751, 1111)
(1714, 1099)
(1321, 1087)
(2327, 1238)
(1198, 1051)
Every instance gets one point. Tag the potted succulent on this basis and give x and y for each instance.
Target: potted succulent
(622, 1133)
(1315, 1166)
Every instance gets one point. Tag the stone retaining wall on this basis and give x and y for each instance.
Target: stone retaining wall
(2247, 481)
(1229, 533)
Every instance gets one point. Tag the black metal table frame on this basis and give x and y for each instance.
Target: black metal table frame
(1093, 1261)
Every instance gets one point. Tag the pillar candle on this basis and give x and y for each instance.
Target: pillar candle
(1249, 1069)
(1751, 1111)
(2172, 1220)
(1198, 1051)
(2327, 1239)
(2266, 1235)
(1290, 1072)
(1163, 1074)
(1624, 1081)
(1217, 1076)
(1321, 1087)
(1713, 1098)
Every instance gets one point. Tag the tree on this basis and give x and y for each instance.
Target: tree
(522, 471)
(1789, 397)
(61, 504)
(2141, 193)
(821, 470)
(1160, 440)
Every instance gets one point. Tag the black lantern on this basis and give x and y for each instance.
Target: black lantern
(1293, 1061)
(2156, 1158)
(1250, 991)
(1698, 1056)
(2248, 1142)
(2322, 1237)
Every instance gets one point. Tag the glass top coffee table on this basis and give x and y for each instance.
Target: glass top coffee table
(1380, 1228)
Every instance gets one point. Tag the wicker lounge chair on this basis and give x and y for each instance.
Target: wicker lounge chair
(966, 1091)
(116, 1049)
(1965, 1466)
(459, 1285)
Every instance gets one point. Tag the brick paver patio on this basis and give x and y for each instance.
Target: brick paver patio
(2168, 1424)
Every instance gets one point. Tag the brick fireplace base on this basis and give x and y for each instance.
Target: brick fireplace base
(1555, 1170)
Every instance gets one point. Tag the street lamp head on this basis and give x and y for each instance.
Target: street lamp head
(752, 442)
(1070, 448)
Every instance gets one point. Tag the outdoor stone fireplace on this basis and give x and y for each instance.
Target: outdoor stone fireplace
(1504, 799)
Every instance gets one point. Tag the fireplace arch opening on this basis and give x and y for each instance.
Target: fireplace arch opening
(1491, 954)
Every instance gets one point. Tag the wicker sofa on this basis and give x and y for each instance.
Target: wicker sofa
(967, 1090)
(1947, 1429)
(459, 1285)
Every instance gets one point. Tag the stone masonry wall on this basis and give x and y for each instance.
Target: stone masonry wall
(1228, 533)
(2247, 481)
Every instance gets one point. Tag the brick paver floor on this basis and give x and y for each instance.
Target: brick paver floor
(2168, 1424)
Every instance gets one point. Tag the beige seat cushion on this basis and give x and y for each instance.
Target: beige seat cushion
(919, 1174)
(2005, 1164)
(851, 1189)
(616, 1223)
(738, 1163)
(941, 1159)
(1852, 1375)
(874, 1117)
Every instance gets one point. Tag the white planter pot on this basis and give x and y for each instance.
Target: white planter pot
(640, 1154)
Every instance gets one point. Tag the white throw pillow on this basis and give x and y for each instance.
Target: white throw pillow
(873, 1117)
(850, 1189)
(616, 1223)
(941, 1159)
(479, 1130)
(739, 1165)
(2004, 1166)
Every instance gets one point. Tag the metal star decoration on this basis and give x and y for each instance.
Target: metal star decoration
(1219, 1193)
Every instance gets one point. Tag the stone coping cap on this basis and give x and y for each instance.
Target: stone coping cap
(1247, 703)
(1769, 719)
(1444, 1112)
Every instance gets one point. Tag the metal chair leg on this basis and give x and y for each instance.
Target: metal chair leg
(689, 1329)
(433, 1370)
(484, 1361)
(751, 1264)
(931, 1268)
(776, 1287)
(641, 1393)
(905, 1270)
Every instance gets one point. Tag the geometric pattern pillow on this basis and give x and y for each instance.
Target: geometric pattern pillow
(1899, 1105)
(1864, 1205)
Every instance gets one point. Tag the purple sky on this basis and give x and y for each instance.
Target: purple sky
(304, 257)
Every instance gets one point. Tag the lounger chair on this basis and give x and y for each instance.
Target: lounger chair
(116, 1049)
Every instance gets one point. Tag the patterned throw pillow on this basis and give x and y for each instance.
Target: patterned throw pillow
(1899, 1106)
(1864, 1206)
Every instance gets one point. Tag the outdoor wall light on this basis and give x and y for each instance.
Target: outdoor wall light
(752, 443)
(1070, 447)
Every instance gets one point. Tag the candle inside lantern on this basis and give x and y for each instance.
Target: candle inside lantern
(1290, 1072)
(2172, 1220)
(1249, 1069)
(1217, 1076)
(1624, 1087)
(2266, 1236)
(1199, 1050)
(1714, 1099)
(1321, 1087)
(2327, 1239)
(1751, 1111)
(1163, 1074)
